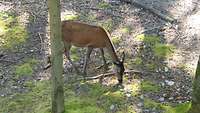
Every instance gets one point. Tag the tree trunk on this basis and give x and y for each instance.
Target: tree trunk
(57, 57)
(195, 108)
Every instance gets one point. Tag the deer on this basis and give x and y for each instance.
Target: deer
(90, 36)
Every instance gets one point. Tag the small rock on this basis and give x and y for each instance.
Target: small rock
(140, 104)
(166, 69)
(170, 83)
(171, 98)
(128, 95)
(162, 84)
(112, 107)
(141, 97)
(161, 99)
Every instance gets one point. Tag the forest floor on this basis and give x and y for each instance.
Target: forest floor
(163, 54)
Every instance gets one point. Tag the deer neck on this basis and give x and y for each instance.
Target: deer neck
(111, 50)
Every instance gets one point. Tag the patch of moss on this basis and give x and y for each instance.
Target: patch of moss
(126, 29)
(116, 40)
(180, 108)
(71, 17)
(149, 86)
(38, 100)
(112, 98)
(131, 109)
(103, 5)
(134, 88)
(12, 33)
(151, 66)
(137, 61)
(151, 39)
(82, 105)
(107, 24)
(35, 101)
(150, 104)
(163, 50)
(25, 69)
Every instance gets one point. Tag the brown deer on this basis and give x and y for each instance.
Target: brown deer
(84, 35)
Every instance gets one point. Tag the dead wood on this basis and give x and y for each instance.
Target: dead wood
(109, 74)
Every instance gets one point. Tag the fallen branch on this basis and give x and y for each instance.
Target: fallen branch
(113, 74)
(9, 61)
(152, 10)
(99, 67)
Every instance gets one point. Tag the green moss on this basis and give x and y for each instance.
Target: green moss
(11, 32)
(25, 69)
(116, 40)
(112, 98)
(126, 29)
(103, 5)
(151, 39)
(98, 99)
(71, 17)
(163, 50)
(149, 86)
(180, 108)
(107, 24)
(150, 104)
(137, 61)
(135, 89)
(84, 105)
(35, 101)
(151, 66)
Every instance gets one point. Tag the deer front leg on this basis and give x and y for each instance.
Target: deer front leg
(67, 54)
(104, 60)
(87, 58)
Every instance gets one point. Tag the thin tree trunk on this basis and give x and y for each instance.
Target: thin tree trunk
(195, 108)
(56, 58)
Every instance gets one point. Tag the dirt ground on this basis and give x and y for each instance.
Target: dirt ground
(174, 74)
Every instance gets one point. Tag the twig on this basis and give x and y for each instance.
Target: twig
(4, 2)
(152, 10)
(112, 74)
(99, 67)
(5, 60)
(42, 44)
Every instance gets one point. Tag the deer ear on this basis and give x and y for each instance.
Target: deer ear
(123, 57)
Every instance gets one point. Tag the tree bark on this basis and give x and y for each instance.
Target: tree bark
(195, 108)
(57, 57)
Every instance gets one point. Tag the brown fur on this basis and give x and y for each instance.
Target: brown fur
(84, 35)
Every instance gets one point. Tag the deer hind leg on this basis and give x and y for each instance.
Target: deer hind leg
(87, 58)
(67, 54)
(104, 60)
